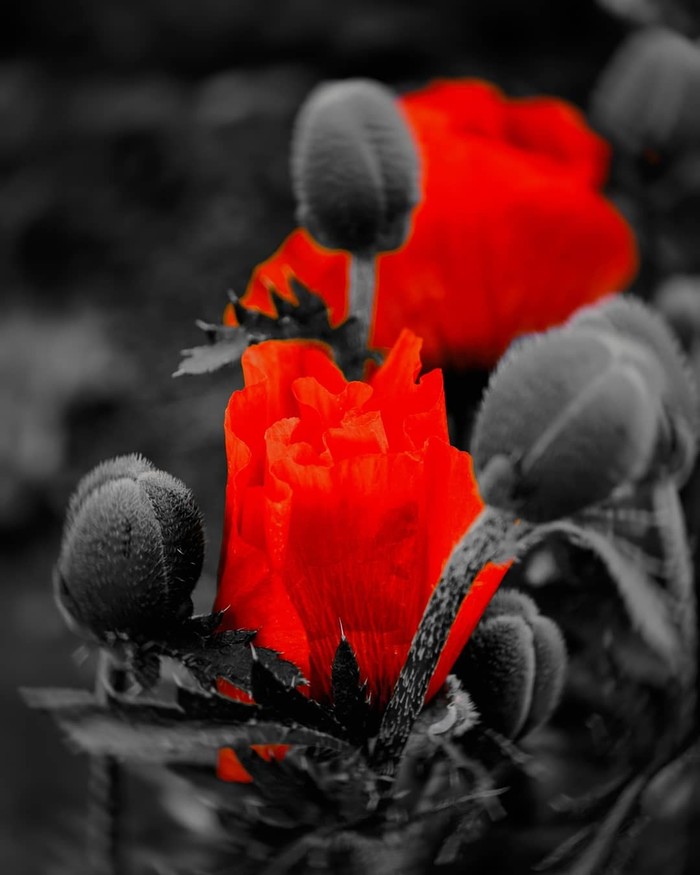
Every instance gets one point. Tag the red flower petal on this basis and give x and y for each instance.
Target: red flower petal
(343, 511)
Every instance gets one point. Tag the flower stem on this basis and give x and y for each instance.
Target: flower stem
(492, 538)
(362, 288)
(105, 789)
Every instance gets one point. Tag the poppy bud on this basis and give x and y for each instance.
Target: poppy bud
(514, 665)
(566, 419)
(354, 167)
(649, 95)
(132, 550)
(678, 301)
(668, 375)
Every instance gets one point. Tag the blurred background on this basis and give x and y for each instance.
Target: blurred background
(143, 172)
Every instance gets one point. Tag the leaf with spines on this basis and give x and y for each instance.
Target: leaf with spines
(210, 655)
(306, 317)
(152, 732)
(288, 703)
(350, 705)
(214, 708)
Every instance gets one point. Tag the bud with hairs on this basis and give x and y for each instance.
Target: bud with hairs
(132, 550)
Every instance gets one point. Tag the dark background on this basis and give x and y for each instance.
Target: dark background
(143, 172)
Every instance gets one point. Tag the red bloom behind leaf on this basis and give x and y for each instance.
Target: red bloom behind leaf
(343, 503)
(512, 234)
(230, 768)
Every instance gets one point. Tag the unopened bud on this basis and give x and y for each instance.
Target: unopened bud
(678, 301)
(567, 418)
(665, 370)
(514, 665)
(648, 97)
(132, 550)
(354, 167)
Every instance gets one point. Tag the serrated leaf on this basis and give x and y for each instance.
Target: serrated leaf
(305, 317)
(205, 625)
(287, 702)
(215, 708)
(157, 733)
(647, 605)
(213, 356)
(226, 654)
(349, 695)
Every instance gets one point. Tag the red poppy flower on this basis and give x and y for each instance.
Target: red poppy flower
(511, 236)
(343, 503)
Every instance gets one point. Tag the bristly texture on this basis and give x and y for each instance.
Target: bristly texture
(514, 665)
(512, 233)
(354, 167)
(132, 550)
(344, 501)
(648, 97)
(566, 419)
(629, 318)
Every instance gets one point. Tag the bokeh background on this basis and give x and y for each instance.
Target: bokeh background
(143, 172)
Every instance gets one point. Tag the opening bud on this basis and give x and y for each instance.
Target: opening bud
(354, 167)
(566, 419)
(132, 550)
(514, 665)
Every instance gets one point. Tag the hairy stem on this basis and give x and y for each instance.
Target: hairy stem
(362, 288)
(105, 789)
(492, 538)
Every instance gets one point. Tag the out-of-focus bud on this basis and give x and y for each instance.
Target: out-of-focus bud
(354, 167)
(630, 320)
(514, 665)
(567, 418)
(132, 550)
(648, 97)
(678, 301)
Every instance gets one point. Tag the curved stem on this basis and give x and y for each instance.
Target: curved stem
(105, 788)
(492, 538)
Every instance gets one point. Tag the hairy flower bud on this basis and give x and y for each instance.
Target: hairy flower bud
(514, 665)
(132, 550)
(566, 419)
(665, 369)
(678, 301)
(649, 95)
(354, 167)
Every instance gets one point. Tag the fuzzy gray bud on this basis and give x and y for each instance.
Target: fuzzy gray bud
(354, 167)
(665, 369)
(132, 550)
(514, 665)
(648, 97)
(566, 419)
